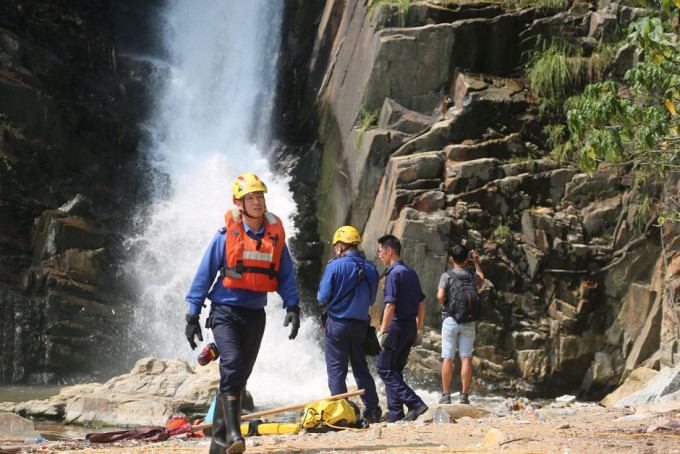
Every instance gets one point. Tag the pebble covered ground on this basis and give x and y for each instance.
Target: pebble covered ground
(559, 428)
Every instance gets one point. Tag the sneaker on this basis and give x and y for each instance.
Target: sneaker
(464, 399)
(445, 399)
(373, 415)
(413, 414)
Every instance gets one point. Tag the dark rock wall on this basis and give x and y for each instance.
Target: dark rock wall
(67, 127)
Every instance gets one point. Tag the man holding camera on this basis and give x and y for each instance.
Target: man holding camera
(457, 293)
(251, 257)
(347, 289)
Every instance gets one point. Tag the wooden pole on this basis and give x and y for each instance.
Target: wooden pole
(284, 409)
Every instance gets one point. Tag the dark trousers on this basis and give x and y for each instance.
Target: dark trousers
(238, 335)
(401, 335)
(345, 341)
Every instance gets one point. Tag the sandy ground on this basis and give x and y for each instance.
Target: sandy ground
(559, 428)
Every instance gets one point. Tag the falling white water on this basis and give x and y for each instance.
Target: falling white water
(211, 123)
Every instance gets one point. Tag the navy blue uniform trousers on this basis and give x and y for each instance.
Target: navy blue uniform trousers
(345, 340)
(401, 335)
(238, 334)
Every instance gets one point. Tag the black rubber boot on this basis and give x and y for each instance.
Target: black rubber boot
(218, 443)
(232, 410)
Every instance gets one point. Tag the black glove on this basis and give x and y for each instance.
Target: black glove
(292, 318)
(192, 329)
(324, 317)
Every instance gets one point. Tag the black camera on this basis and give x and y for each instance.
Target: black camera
(208, 354)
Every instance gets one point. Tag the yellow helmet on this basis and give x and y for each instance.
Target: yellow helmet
(247, 183)
(347, 234)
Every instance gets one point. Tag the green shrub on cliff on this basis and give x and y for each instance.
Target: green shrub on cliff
(366, 120)
(556, 70)
(402, 8)
(502, 234)
(11, 127)
(542, 6)
(635, 124)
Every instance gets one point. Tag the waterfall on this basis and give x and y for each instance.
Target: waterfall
(211, 123)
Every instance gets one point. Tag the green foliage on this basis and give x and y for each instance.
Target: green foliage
(556, 70)
(542, 6)
(366, 120)
(635, 124)
(5, 165)
(402, 8)
(501, 233)
(11, 127)
(643, 213)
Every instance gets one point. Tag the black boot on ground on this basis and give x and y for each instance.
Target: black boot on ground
(218, 443)
(235, 441)
(226, 433)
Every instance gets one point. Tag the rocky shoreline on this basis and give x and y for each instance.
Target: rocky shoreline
(643, 415)
(514, 426)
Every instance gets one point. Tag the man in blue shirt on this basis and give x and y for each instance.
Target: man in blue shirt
(401, 328)
(348, 287)
(245, 259)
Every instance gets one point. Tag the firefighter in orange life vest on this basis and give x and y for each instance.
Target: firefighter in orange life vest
(249, 258)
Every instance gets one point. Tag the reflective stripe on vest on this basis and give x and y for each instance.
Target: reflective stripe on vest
(258, 256)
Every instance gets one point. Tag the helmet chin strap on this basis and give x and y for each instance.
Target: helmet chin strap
(344, 250)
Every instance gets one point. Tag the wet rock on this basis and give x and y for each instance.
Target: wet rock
(150, 394)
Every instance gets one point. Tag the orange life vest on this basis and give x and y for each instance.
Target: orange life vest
(253, 264)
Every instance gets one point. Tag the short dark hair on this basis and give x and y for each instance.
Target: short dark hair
(458, 253)
(390, 241)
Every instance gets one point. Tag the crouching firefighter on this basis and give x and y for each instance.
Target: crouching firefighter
(245, 259)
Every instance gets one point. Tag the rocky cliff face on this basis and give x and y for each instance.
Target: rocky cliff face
(581, 286)
(66, 127)
(581, 283)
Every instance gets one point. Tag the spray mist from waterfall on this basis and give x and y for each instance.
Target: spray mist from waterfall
(211, 123)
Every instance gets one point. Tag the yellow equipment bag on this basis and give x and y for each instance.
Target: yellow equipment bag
(328, 413)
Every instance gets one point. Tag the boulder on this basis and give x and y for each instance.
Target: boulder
(599, 373)
(626, 57)
(456, 411)
(494, 148)
(15, 428)
(635, 307)
(532, 364)
(601, 216)
(469, 175)
(604, 24)
(397, 117)
(57, 232)
(664, 385)
(150, 394)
